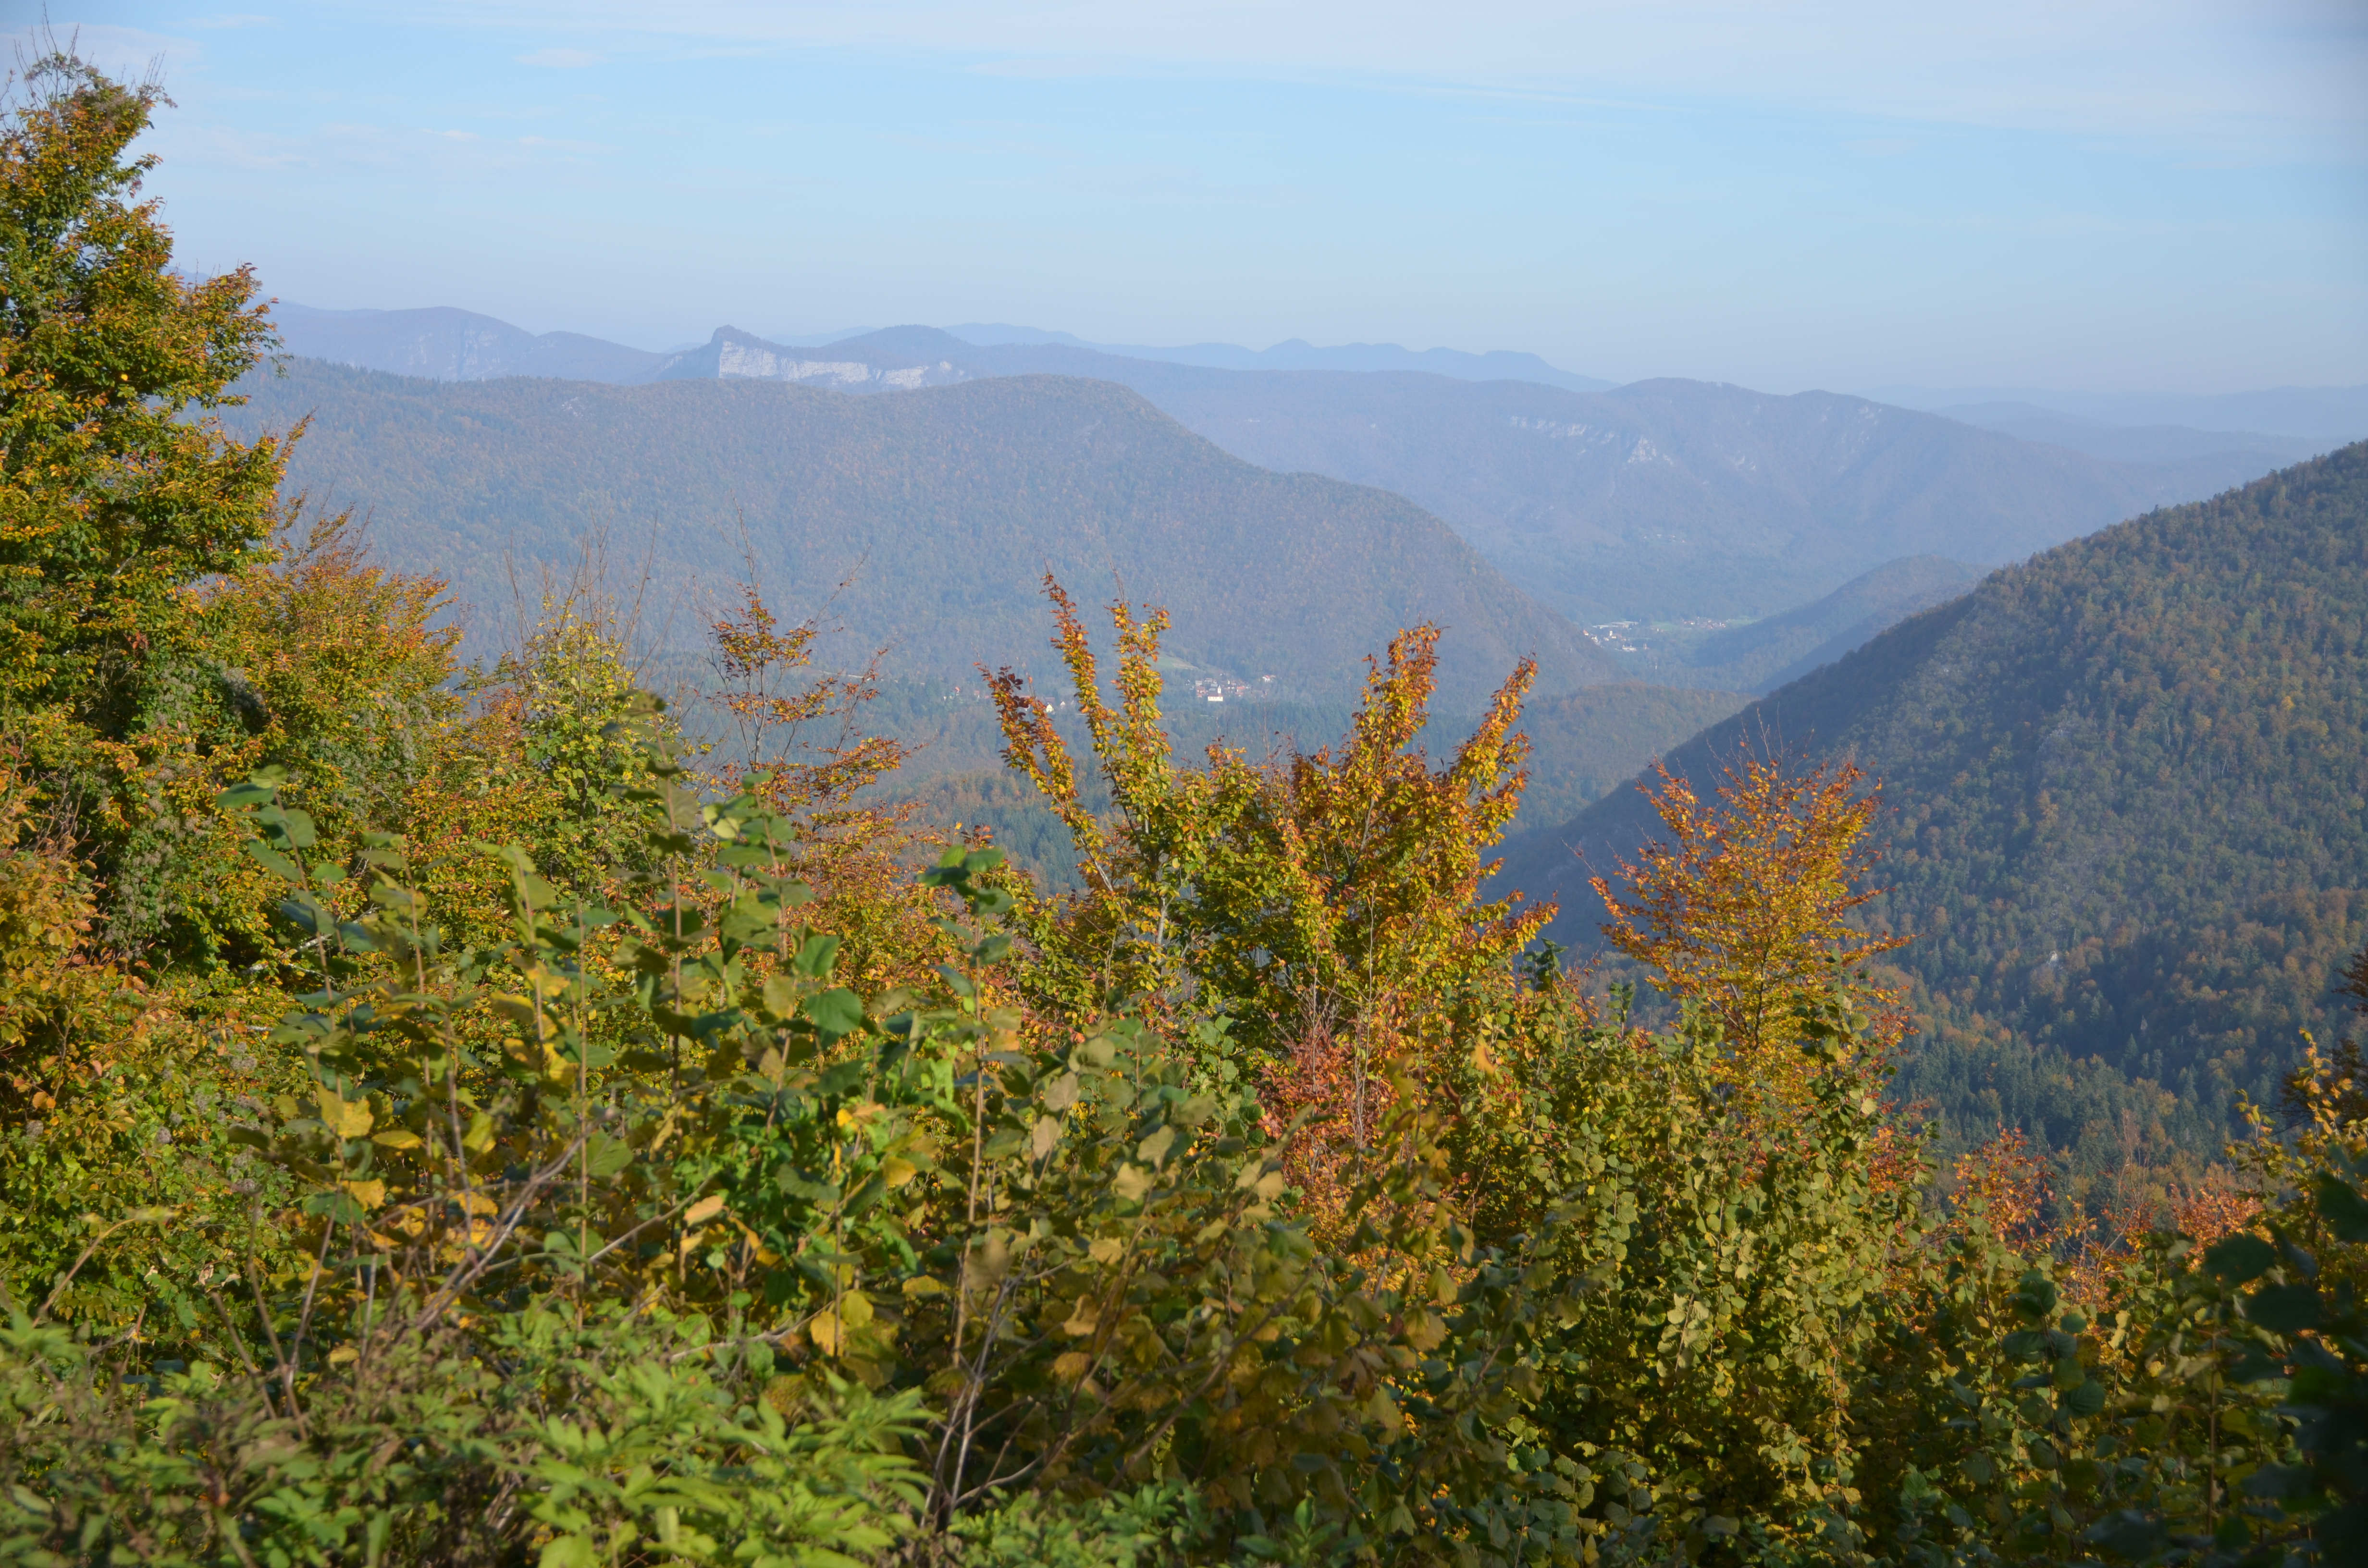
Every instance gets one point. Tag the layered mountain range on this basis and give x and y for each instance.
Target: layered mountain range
(1664, 500)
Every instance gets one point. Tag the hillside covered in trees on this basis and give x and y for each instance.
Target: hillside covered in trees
(2125, 791)
(939, 511)
(450, 1115)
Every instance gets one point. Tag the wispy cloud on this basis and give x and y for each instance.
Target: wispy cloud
(2200, 74)
(561, 58)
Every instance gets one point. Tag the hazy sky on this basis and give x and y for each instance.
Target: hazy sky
(2165, 194)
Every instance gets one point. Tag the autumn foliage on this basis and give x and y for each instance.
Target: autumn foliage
(1742, 910)
(466, 1117)
(1329, 901)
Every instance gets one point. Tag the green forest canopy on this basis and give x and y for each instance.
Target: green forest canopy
(2126, 791)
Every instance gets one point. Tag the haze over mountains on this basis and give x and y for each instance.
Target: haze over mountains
(1659, 501)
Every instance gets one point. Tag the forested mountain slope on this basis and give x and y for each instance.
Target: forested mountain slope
(2127, 791)
(944, 507)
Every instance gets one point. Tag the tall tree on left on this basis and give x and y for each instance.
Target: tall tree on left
(120, 491)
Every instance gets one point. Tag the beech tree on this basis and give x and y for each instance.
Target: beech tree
(1743, 910)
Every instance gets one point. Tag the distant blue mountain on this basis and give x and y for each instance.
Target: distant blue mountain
(2332, 416)
(1497, 365)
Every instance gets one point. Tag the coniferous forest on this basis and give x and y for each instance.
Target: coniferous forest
(491, 1113)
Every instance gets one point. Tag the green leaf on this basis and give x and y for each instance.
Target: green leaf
(2240, 1259)
(276, 863)
(2344, 1210)
(2284, 1309)
(836, 1012)
(815, 956)
(605, 1156)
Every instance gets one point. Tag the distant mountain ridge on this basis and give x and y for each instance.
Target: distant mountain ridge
(1497, 365)
(453, 345)
(450, 345)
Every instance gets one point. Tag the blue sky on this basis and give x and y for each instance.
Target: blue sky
(2168, 196)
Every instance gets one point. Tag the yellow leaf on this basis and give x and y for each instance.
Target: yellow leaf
(1153, 1151)
(922, 1285)
(706, 1208)
(1072, 1365)
(1107, 1249)
(1083, 1317)
(1132, 1182)
(369, 1194)
(897, 1170)
(822, 1329)
(344, 1354)
(396, 1137)
(855, 1309)
(346, 1119)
